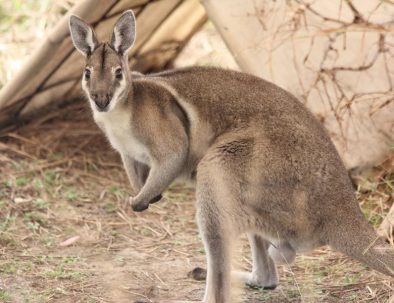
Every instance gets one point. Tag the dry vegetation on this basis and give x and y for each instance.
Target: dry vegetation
(59, 180)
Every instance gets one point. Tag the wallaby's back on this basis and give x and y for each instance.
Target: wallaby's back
(229, 100)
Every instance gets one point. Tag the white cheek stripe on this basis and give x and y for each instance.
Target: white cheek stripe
(118, 92)
(86, 90)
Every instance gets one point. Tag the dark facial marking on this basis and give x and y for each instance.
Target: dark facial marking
(103, 55)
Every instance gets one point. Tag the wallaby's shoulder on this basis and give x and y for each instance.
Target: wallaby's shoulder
(155, 98)
(148, 90)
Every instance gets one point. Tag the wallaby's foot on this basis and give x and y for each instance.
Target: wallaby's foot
(255, 281)
(200, 274)
(282, 253)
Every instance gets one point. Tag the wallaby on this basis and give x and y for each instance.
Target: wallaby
(263, 165)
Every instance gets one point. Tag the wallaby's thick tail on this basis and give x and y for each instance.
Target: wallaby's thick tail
(357, 239)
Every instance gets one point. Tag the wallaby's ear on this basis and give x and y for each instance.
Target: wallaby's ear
(83, 36)
(123, 35)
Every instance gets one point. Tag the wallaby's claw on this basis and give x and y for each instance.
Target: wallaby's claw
(140, 206)
(156, 199)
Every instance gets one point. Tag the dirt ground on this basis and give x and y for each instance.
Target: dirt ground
(59, 179)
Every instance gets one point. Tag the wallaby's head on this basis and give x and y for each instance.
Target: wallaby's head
(106, 79)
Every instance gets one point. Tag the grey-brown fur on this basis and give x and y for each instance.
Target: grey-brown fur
(262, 163)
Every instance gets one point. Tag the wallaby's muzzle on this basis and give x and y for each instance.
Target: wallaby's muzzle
(101, 100)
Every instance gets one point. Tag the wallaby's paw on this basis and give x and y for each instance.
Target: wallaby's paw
(198, 274)
(138, 205)
(156, 199)
(255, 282)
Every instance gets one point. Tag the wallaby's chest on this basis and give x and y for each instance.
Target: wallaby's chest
(117, 128)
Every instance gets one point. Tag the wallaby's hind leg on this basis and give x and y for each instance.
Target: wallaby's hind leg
(264, 271)
(215, 234)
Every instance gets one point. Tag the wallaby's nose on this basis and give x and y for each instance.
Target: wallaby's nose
(102, 99)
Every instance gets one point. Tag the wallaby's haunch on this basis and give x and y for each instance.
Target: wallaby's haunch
(262, 163)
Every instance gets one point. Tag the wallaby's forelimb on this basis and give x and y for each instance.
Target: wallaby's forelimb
(137, 173)
(134, 173)
(167, 160)
(160, 176)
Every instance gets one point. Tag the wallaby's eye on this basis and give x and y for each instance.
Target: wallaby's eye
(87, 73)
(118, 73)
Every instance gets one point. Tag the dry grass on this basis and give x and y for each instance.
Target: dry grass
(59, 179)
